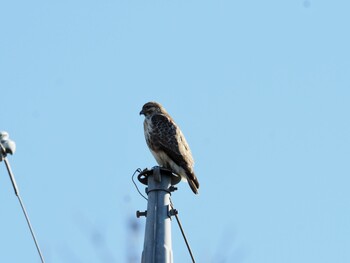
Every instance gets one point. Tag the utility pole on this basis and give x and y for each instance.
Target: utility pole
(8, 146)
(160, 183)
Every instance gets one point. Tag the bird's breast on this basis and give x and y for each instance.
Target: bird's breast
(147, 125)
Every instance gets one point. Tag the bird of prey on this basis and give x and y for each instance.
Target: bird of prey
(167, 143)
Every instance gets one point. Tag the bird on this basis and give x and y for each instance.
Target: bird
(168, 144)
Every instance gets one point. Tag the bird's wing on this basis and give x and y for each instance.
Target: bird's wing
(169, 138)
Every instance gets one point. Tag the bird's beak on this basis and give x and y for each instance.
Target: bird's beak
(142, 112)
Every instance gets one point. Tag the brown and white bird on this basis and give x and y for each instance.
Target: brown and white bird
(167, 143)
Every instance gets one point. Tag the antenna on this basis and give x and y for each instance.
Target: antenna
(9, 146)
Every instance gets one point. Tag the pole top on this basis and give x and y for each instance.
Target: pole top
(157, 171)
(6, 145)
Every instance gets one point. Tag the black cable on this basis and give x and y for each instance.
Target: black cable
(137, 188)
(182, 232)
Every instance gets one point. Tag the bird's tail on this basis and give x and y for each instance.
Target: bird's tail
(193, 182)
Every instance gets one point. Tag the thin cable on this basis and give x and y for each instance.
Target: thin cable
(23, 208)
(137, 188)
(182, 232)
(31, 229)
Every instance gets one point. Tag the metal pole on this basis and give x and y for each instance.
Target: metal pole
(157, 243)
(9, 146)
(23, 208)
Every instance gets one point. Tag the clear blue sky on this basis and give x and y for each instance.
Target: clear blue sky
(261, 90)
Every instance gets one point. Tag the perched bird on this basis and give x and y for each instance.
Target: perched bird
(167, 143)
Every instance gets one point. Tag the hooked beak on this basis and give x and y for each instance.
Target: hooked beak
(142, 112)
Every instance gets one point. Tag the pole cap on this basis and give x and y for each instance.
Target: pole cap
(142, 177)
(7, 145)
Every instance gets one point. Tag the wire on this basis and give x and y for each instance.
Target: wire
(23, 208)
(137, 188)
(182, 232)
(31, 229)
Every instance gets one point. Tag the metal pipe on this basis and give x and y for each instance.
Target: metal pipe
(15, 188)
(157, 243)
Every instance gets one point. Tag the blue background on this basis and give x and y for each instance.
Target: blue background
(260, 89)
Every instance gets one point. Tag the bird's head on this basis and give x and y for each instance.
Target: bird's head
(151, 108)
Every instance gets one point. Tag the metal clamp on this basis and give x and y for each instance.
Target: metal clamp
(143, 176)
(172, 212)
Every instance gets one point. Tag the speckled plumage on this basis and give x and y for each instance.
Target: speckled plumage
(167, 143)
